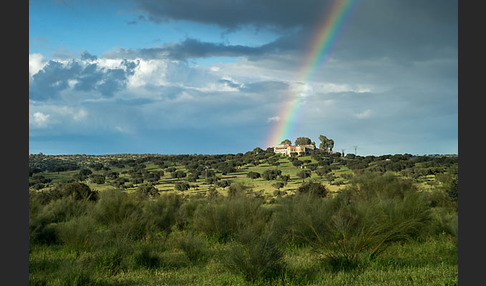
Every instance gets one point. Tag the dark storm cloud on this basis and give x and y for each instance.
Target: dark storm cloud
(55, 77)
(403, 30)
(189, 48)
(235, 14)
(265, 86)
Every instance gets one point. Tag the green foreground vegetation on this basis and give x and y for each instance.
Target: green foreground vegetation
(243, 219)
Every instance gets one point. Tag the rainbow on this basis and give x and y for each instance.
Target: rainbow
(319, 49)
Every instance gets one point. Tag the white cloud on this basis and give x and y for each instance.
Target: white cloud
(148, 72)
(121, 129)
(36, 63)
(273, 119)
(365, 114)
(80, 114)
(40, 119)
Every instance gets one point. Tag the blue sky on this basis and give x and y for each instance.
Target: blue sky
(209, 77)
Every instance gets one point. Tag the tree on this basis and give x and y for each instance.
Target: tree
(178, 174)
(285, 178)
(313, 188)
(253, 175)
(278, 185)
(297, 163)
(271, 174)
(286, 142)
(181, 186)
(303, 174)
(148, 191)
(85, 172)
(326, 143)
(322, 171)
(302, 141)
(273, 161)
(78, 191)
(257, 150)
(97, 179)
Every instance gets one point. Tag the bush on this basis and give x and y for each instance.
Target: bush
(121, 213)
(345, 230)
(77, 234)
(194, 247)
(186, 212)
(257, 257)
(160, 215)
(78, 191)
(369, 185)
(227, 217)
(41, 232)
(145, 257)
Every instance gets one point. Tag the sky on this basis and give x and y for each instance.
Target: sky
(227, 76)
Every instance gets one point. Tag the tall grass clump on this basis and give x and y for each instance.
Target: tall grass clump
(121, 214)
(224, 218)
(359, 223)
(258, 257)
(46, 214)
(160, 214)
(370, 185)
(78, 234)
(194, 247)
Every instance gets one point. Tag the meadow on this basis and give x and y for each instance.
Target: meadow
(256, 218)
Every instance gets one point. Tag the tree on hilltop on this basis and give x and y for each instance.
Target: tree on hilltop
(286, 142)
(326, 143)
(302, 141)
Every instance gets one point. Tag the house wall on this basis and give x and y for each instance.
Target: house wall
(287, 150)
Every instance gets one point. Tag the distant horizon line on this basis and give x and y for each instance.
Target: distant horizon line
(110, 154)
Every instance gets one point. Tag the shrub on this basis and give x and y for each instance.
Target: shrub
(194, 247)
(145, 257)
(78, 191)
(122, 213)
(77, 233)
(160, 215)
(41, 232)
(186, 212)
(226, 217)
(257, 257)
(238, 189)
(368, 227)
(369, 185)
(344, 231)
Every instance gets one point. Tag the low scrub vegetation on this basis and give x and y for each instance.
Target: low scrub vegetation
(243, 219)
(297, 240)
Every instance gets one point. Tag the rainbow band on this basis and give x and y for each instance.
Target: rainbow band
(319, 51)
